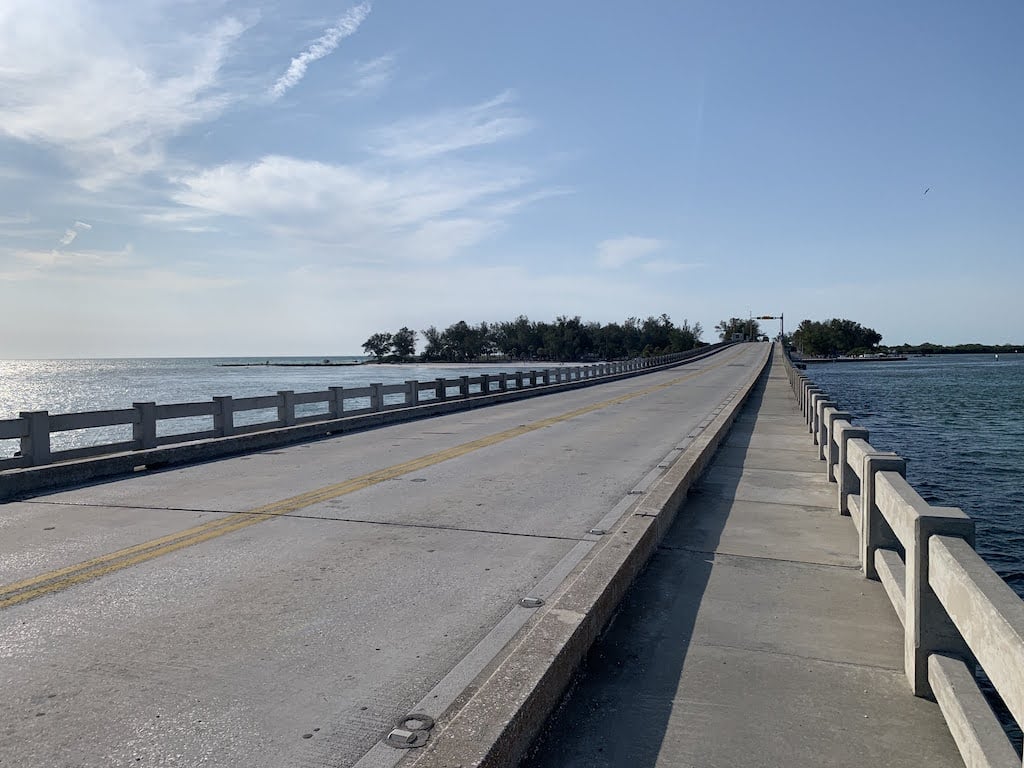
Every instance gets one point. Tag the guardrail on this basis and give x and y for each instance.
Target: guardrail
(955, 610)
(227, 417)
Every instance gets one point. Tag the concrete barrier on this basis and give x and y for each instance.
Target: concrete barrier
(342, 409)
(955, 610)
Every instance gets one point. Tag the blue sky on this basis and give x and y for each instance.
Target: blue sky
(265, 178)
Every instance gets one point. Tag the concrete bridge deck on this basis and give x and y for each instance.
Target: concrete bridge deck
(752, 638)
(285, 608)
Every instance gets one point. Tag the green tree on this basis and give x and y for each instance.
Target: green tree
(378, 345)
(749, 328)
(404, 343)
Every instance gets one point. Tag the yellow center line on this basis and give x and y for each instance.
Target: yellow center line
(62, 578)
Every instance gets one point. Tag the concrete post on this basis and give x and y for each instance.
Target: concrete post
(377, 397)
(337, 404)
(144, 426)
(831, 446)
(485, 384)
(35, 445)
(464, 386)
(441, 389)
(547, 376)
(805, 408)
(928, 628)
(224, 416)
(412, 392)
(846, 478)
(819, 425)
(812, 416)
(503, 382)
(533, 378)
(875, 532)
(286, 408)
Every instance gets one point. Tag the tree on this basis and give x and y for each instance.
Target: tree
(435, 344)
(749, 328)
(834, 337)
(404, 343)
(378, 345)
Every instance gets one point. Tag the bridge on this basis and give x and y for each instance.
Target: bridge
(422, 591)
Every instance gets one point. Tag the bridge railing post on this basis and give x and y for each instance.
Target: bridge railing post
(35, 444)
(144, 426)
(503, 382)
(441, 389)
(286, 408)
(533, 378)
(224, 416)
(485, 384)
(464, 386)
(546, 374)
(928, 627)
(337, 402)
(412, 392)
(819, 424)
(377, 396)
(847, 479)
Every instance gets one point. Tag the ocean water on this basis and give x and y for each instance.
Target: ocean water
(71, 386)
(958, 420)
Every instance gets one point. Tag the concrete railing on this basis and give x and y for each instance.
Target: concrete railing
(957, 613)
(276, 419)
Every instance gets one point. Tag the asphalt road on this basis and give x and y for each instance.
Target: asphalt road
(286, 608)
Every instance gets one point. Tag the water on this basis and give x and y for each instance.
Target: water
(958, 420)
(71, 386)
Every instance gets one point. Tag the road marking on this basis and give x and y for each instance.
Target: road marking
(62, 578)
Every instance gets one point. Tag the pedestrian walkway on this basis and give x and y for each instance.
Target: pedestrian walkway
(752, 638)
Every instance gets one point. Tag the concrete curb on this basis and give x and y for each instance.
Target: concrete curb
(20, 482)
(501, 713)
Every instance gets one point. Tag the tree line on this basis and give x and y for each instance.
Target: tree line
(567, 339)
(834, 337)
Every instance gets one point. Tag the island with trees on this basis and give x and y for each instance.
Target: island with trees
(566, 339)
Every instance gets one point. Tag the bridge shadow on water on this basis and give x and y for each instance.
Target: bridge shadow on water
(618, 709)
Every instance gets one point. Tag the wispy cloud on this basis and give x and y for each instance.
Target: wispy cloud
(426, 213)
(97, 95)
(449, 130)
(323, 46)
(617, 252)
(72, 232)
(374, 74)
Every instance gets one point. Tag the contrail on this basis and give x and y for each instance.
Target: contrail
(327, 42)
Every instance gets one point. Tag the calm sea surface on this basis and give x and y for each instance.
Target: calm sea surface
(958, 420)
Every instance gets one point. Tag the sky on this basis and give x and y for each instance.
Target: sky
(225, 177)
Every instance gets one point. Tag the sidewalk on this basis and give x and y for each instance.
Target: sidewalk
(752, 638)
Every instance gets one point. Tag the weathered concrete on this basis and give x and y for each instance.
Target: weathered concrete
(753, 638)
(383, 579)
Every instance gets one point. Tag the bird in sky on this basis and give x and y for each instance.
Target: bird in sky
(926, 192)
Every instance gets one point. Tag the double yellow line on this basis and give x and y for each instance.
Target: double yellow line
(56, 580)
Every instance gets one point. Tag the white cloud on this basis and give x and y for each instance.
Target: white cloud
(346, 26)
(449, 130)
(368, 213)
(72, 232)
(108, 94)
(615, 253)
